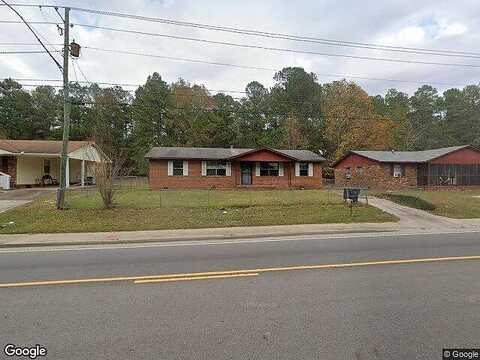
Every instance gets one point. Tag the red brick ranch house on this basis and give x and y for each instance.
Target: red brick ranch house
(451, 166)
(189, 167)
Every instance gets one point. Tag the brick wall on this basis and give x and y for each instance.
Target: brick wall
(307, 182)
(159, 179)
(376, 175)
(11, 169)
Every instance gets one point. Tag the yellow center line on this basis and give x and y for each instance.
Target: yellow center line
(233, 272)
(148, 281)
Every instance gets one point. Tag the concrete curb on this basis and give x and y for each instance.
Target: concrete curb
(190, 238)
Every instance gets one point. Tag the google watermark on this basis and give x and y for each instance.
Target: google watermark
(461, 354)
(32, 352)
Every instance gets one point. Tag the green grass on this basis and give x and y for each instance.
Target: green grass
(140, 209)
(409, 200)
(144, 198)
(459, 204)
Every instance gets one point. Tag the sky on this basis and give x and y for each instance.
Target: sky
(445, 25)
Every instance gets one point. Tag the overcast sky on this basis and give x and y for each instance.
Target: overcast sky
(450, 25)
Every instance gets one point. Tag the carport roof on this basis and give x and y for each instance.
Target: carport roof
(40, 146)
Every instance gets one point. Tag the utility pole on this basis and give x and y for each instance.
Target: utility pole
(66, 113)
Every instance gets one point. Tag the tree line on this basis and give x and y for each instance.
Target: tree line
(296, 112)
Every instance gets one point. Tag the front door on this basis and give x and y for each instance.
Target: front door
(246, 169)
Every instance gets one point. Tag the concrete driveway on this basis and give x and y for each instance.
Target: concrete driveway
(411, 218)
(13, 198)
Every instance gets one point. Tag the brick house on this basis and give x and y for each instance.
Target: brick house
(452, 166)
(30, 163)
(226, 168)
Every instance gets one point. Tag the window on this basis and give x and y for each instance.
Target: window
(359, 170)
(216, 168)
(303, 169)
(177, 168)
(348, 172)
(269, 169)
(398, 170)
(46, 167)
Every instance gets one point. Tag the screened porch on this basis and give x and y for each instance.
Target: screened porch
(448, 174)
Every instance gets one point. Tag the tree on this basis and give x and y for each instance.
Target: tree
(16, 110)
(297, 95)
(47, 112)
(424, 118)
(351, 122)
(148, 111)
(190, 112)
(397, 109)
(253, 117)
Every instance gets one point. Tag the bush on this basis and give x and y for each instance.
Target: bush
(409, 200)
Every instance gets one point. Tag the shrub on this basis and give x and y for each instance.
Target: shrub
(409, 200)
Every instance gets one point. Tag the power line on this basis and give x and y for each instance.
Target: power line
(261, 68)
(34, 34)
(23, 44)
(282, 36)
(172, 58)
(271, 34)
(179, 59)
(3, 52)
(30, 22)
(249, 46)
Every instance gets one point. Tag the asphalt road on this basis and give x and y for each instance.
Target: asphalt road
(382, 311)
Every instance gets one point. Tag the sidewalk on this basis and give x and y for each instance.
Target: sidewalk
(23, 240)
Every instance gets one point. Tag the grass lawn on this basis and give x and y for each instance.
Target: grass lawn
(459, 204)
(142, 209)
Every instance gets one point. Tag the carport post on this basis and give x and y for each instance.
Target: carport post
(82, 173)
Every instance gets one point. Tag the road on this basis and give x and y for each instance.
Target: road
(372, 309)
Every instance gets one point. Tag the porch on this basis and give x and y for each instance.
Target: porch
(448, 174)
(38, 171)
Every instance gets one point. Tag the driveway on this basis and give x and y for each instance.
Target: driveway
(411, 218)
(13, 198)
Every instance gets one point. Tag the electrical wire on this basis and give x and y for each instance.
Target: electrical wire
(125, 52)
(34, 34)
(275, 49)
(276, 35)
(3, 52)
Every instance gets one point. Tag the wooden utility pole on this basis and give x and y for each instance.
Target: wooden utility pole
(66, 113)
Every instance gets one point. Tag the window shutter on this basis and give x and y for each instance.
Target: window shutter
(310, 169)
(280, 169)
(257, 169)
(391, 169)
(185, 168)
(402, 167)
(204, 168)
(170, 168)
(229, 169)
(297, 169)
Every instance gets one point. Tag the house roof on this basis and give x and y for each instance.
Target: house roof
(40, 146)
(224, 153)
(404, 156)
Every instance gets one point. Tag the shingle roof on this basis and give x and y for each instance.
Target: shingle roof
(222, 153)
(40, 146)
(408, 156)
